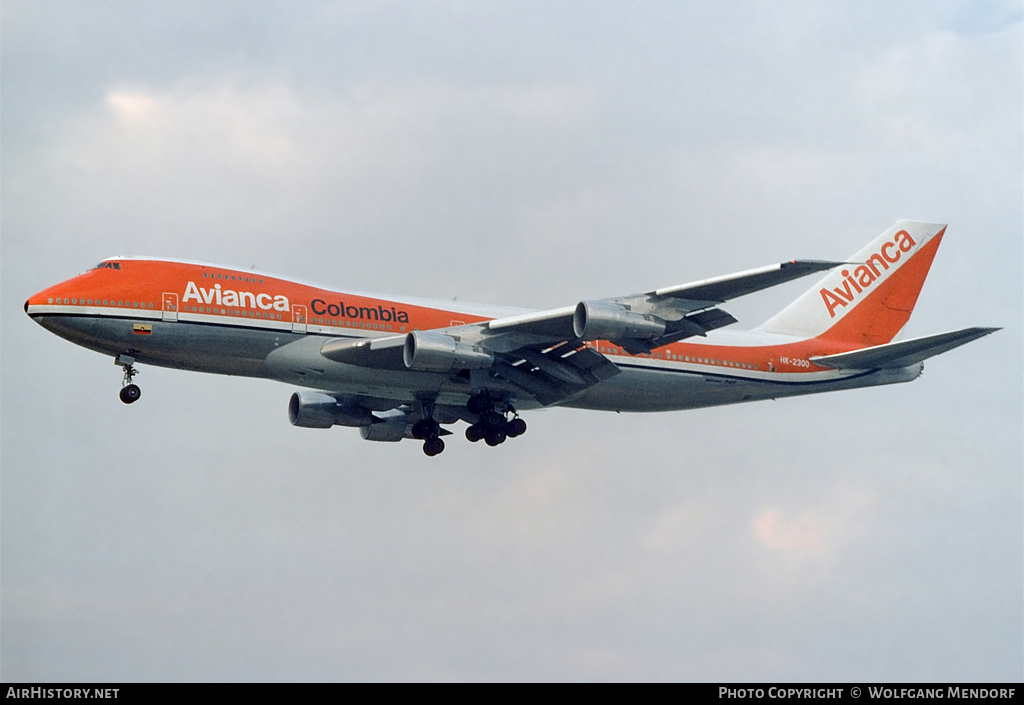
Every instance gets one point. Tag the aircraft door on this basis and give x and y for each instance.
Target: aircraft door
(298, 319)
(170, 306)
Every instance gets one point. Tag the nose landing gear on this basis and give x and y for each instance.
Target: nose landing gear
(130, 392)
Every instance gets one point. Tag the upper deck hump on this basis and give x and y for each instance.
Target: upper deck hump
(243, 275)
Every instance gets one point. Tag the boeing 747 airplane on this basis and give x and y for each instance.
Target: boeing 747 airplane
(398, 367)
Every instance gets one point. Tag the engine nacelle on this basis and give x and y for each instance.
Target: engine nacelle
(436, 352)
(602, 320)
(316, 410)
(389, 431)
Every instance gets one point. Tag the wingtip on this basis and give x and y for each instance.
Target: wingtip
(980, 330)
(977, 332)
(813, 265)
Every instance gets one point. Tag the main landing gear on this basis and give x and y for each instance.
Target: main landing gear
(429, 431)
(494, 426)
(130, 392)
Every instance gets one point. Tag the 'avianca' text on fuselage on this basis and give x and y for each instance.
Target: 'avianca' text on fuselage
(397, 368)
(229, 297)
(866, 274)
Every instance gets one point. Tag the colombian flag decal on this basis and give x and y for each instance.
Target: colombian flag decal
(142, 329)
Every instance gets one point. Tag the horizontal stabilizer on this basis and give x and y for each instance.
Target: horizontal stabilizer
(901, 354)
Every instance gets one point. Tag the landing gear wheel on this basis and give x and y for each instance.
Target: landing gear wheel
(493, 424)
(425, 429)
(130, 393)
(433, 446)
(494, 420)
(480, 403)
(516, 427)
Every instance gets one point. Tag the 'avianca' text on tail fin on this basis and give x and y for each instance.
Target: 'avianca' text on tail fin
(398, 367)
(868, 300)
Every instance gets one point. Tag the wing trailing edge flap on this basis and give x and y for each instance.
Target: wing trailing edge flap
(556, 373)
(902, 354)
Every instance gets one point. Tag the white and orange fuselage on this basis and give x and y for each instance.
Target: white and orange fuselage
(209, 318)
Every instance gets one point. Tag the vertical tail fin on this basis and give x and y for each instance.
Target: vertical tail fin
(868, 301)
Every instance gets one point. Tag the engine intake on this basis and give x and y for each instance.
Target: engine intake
(601, 320)
(316, 410)
(436, 352)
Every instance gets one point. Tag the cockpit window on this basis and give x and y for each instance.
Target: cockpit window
(108, 265)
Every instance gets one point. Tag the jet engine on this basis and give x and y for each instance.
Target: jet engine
(316, 410)
(389, 430)
(601, 320)
(436, 352)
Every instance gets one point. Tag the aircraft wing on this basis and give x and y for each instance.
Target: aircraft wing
(546, 353)
(548, 373)
(901, 354)
(635, 321)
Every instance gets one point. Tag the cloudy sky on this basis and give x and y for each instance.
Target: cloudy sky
(529, 154)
